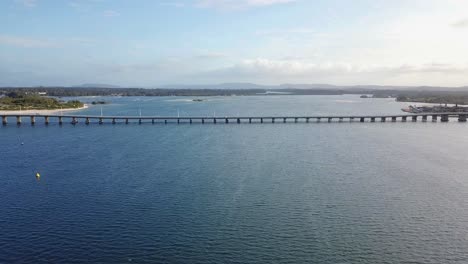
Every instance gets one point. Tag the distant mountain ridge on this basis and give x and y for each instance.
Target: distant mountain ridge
(241, 86)
(235, 86)
(96, 85)
(253, 86)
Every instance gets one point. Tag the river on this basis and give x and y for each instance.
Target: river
(229, 193)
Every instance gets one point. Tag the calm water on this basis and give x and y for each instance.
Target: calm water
(259, 193)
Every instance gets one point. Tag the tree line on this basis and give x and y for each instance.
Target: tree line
(75, 91)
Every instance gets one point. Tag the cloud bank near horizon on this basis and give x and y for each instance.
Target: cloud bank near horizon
(218, 41)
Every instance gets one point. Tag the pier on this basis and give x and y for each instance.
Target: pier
(89, 119)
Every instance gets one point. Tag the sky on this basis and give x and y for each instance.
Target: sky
(151, 43)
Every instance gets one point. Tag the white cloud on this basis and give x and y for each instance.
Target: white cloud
(110, 13)
(280, 71)
(74, 4)
(27, 3)
(173, 4)
(261, 67)
(267, 2)
(261, 70)
(285, 31)
(25, 42)
(237, 4)
(297, 68)
(29, 42)
(463, 23)
(80, 41)
(211, 55)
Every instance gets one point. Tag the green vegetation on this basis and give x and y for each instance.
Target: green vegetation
(454, 96)
(17, 101)
(409, 94)
(75, 91)
(435, 99)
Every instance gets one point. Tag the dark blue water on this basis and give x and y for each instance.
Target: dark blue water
(249, 193)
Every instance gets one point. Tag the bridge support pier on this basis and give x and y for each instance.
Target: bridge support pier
(444, 118)
(461, 118)
(4, 120)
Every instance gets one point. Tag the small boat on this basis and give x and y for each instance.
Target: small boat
(38, 175)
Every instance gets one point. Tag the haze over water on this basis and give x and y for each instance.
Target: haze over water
(249, 193)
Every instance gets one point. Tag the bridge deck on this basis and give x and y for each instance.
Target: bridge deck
(451, 114)
(444, 117)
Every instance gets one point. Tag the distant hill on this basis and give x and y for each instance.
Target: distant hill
(308, 86)
(96, 85)
(242, 86)
(305, 86)
(227, 86)
(285, 86)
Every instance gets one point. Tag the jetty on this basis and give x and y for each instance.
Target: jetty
(92, 119)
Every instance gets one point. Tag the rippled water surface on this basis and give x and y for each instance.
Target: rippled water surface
(249, 193)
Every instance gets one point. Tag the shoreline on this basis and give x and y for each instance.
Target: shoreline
(431, 104)
(41, 112)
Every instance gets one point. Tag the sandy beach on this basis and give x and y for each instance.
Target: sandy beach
(42, 112)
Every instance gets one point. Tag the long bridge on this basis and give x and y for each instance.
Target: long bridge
(89, 119)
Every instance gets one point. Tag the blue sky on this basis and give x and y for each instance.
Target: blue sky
(148, 43)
